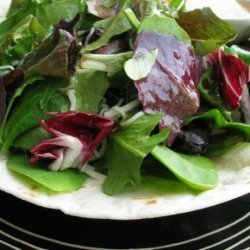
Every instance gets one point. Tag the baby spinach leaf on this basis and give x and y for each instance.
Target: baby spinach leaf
(210, 93)
(236, 157)
(90, 87)
(54, 11)
(64, 181)
(207, 31)
(18, 93)
(32, 137)
(165, 25)
(118, 25)
(216, 121)
(30, 108)
(196, 171)
(126, 150)
(153, 185)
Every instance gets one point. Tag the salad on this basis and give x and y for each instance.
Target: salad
(121, 90)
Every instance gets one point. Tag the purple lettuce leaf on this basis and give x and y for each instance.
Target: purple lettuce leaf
(76, 136)
(171, 86)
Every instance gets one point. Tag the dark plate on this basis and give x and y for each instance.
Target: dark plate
(27, 226)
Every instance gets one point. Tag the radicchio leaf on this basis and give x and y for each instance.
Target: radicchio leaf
(232, 72)
(77, 135)
(171, 86)
(57, 55)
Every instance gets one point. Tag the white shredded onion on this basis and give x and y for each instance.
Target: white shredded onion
(71, 93)
(132, 119)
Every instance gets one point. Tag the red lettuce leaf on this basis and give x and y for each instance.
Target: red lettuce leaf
(77, 135)
(57, 55)
(232, 72)
(171, 86)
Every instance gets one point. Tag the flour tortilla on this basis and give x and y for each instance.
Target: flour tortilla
(90, 202)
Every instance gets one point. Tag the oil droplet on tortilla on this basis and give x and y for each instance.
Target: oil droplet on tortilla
(153, 201)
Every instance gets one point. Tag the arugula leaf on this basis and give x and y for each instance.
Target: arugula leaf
(164, 25)
(118, 25)
(196, 171)
(64, 181)
(207, 31)
(217, 121)
(90, 87)
(30, 108)
(126, 150)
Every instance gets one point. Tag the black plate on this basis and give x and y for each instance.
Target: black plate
(27, 226)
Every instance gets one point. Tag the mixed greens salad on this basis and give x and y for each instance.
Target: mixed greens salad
(120, 88)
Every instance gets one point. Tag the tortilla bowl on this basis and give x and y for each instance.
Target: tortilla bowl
(173, 218)
(223, 225)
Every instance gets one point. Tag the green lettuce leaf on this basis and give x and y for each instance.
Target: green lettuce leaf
(126, 150)
(10, 23)
(117, 25)
(64, 181)
(196, 171)
(30, 108)
(207, 31)
(165, 25)
(14, 6)
(22, 31)
(21, 39)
